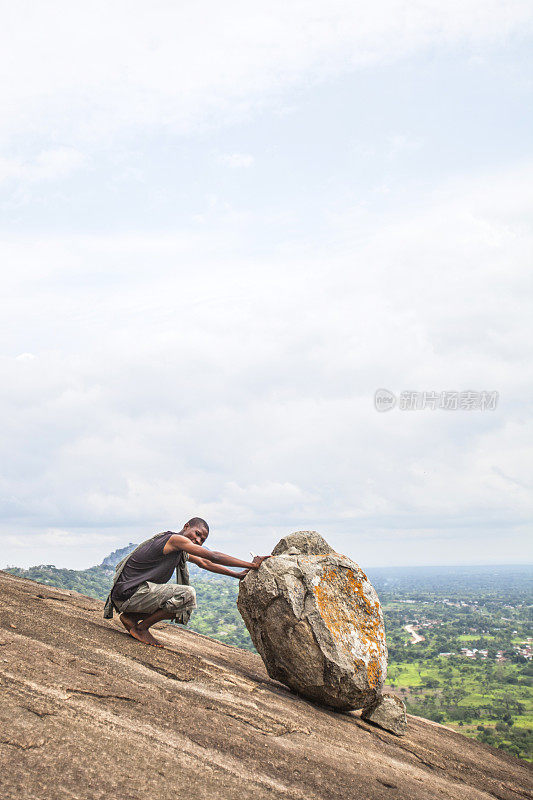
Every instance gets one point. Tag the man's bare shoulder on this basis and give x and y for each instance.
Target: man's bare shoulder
(176, 542)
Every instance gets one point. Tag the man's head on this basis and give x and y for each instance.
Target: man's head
(197, 530)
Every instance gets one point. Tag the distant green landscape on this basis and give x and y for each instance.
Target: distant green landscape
(472, 670)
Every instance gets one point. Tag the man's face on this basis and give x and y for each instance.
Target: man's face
(197, 534)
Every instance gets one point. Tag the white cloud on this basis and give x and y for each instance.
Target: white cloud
(86, 72)
(236, 160)
(175, 377)
(149, 376)
(402, 143)
(49, 165)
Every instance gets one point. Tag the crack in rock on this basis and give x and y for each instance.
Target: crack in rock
(166, 672)
(23, 745)
(103, 696)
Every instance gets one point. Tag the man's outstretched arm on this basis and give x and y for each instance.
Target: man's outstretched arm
(211, 567)
(179, 542)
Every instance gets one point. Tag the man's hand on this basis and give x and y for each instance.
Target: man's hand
(258, 560)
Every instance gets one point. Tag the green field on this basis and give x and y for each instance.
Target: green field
(490, 698)
(473, 637)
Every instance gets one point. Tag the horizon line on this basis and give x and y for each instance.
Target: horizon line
(374, 566)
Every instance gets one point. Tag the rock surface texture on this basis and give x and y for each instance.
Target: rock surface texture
(89, 713)
(317, 623)
(387, 711)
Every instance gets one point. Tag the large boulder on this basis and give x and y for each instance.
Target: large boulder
(316, 621)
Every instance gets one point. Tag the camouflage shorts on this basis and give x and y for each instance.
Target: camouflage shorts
(150, 597)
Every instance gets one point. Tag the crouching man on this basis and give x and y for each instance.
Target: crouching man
(140, 591)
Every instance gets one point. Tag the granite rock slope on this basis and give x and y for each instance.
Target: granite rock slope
(315, 619)
(88, 713)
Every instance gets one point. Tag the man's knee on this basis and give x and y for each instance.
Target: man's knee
(183, 597)
(189, 596)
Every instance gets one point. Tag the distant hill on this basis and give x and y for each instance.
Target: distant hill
(111, 561)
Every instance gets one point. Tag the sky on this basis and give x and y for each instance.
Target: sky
(223, 228)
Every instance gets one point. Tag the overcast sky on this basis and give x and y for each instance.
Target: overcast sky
(223, 227)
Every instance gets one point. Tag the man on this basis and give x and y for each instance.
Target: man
(141, 593)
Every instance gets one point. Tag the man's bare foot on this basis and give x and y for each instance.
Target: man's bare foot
(128, 621)
(144, 635)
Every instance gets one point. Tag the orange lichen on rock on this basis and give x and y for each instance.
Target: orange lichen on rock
(347, 611)
(373, 671)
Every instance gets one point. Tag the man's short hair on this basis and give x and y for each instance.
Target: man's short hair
(198, 522)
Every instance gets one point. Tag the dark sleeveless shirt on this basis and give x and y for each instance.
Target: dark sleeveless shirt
(149, 563)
